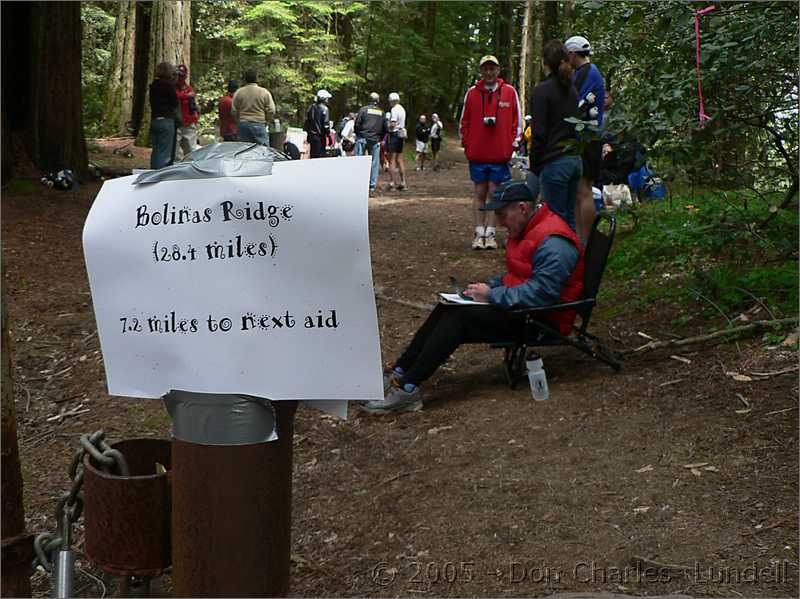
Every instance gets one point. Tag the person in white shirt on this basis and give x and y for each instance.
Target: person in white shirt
(394, 145)
(349, 135)
(436, 138)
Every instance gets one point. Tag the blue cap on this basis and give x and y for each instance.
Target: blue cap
(514, 191)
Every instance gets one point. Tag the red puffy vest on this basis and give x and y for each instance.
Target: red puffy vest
(519, 253)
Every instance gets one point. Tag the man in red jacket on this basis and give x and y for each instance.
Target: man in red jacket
(187, 133)
(228, 128)
(491, 124)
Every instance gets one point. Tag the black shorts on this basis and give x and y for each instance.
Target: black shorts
(394, 144)
(436, 143)
(592, 159)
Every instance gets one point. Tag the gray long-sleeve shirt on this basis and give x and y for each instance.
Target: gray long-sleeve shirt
(551, 266)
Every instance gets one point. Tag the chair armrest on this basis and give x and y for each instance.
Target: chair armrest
(562, 306)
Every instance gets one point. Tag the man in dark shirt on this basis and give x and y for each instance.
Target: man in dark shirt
(370, 127)
(318, 124)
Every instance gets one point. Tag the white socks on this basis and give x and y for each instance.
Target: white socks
(480, 231)
(490, 231)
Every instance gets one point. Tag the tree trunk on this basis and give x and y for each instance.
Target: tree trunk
(430, 23)
(569, 11)
(15, 580)
(525, 55)
(141, 76)
(119, 91)
(550, 25)
(170, 41)
(42, 69)
(508, 37)
(503, 25)
(536, 45)
(343, 30)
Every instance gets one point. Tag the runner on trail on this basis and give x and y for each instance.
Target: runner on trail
(370, 127)
(436, 138)
(491, 124)
(317, 124)
(394, 145)
(422, 132)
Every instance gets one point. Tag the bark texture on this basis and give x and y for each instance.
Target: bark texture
(118, 112)
(42, 85)
(170, 41)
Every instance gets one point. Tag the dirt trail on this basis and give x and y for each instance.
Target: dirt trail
(484, 492)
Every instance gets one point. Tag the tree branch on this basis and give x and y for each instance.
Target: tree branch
(723, 335)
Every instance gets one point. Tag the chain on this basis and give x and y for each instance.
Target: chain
(70, 505)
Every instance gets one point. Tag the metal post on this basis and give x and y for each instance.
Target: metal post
(231, 501)
(63, 574)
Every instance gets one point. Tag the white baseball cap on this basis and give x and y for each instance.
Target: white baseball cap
(324, 94)
(394, 97)
(578, 43)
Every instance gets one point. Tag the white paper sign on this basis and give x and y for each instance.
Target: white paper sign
(254, 285)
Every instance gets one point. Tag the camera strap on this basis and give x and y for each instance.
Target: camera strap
(483, 101)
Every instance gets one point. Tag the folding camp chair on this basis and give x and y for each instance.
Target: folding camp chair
(538, 332)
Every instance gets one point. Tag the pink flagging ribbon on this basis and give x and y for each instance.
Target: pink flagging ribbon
(702, 114)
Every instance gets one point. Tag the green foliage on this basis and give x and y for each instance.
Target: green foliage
(427, 51)
(98, 38)
(710, 254)
(295, 47)
(749, 74)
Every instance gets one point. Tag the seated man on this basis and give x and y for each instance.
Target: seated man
(544, 259)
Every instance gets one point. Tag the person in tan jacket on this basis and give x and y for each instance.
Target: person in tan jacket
(253, 107)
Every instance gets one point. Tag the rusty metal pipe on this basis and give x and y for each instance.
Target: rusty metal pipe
(231, 515)
(128, 517)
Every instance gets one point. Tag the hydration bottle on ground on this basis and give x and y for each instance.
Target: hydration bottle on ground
(537, 378)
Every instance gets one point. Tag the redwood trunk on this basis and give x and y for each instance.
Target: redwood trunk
(42, 74)
(15, 569)
(170, 41)
(118, 112)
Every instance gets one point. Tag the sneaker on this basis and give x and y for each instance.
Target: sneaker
(372, 192)
(389, 376)
(396, 400)
(479, 242)
(490, 243)
(417, 169)
(402, 187)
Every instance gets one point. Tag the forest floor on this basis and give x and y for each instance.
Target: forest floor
(484, 492)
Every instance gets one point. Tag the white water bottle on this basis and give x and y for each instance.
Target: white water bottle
(537, 378)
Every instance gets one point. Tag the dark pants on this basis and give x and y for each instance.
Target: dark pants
(447, 327)
(317, 143)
